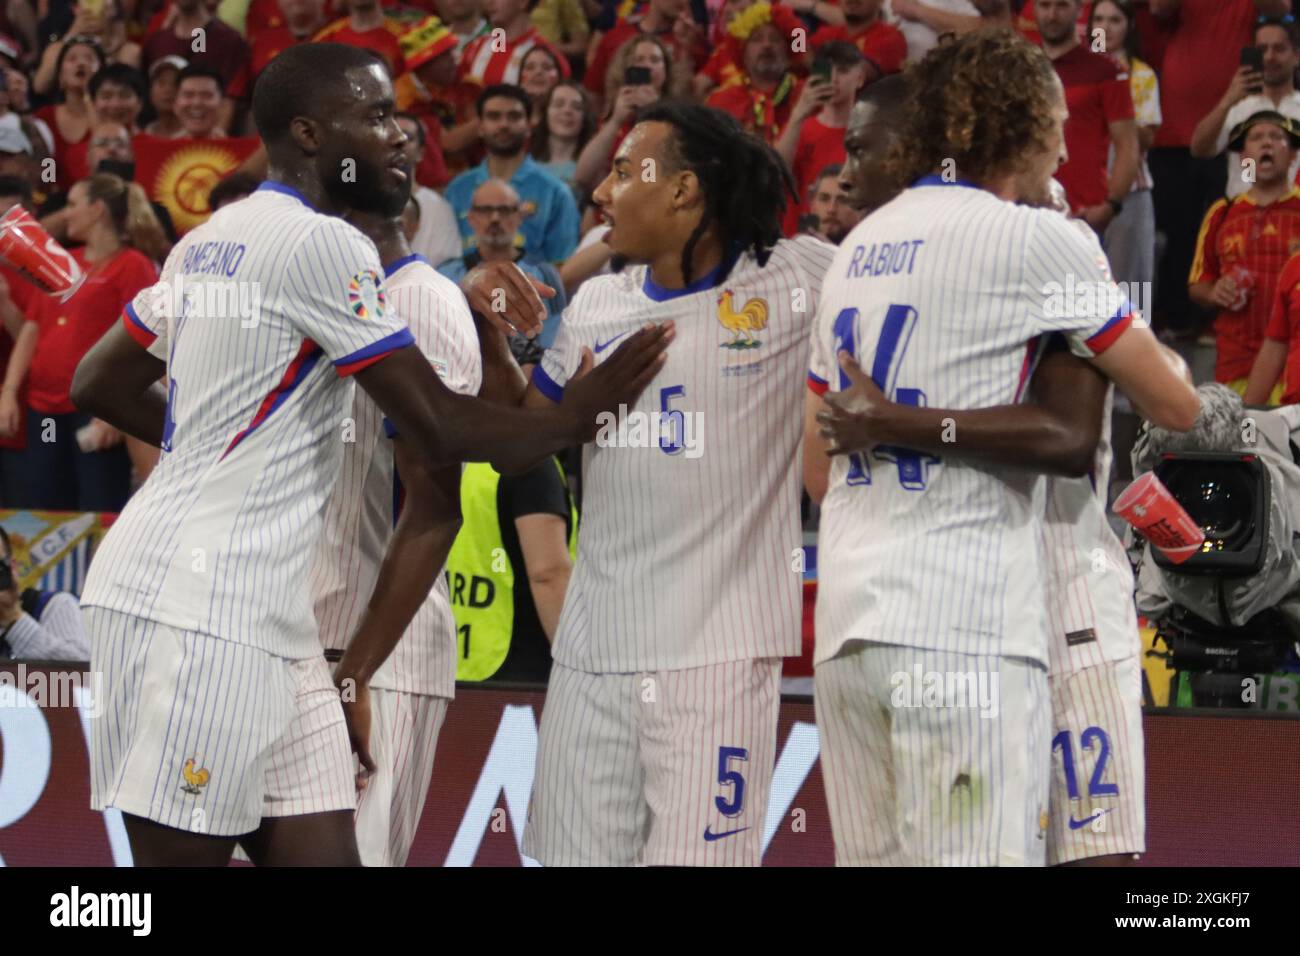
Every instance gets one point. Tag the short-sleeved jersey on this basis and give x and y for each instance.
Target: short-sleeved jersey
(942, 296)
(361, 513)
(687, 551)
(1252, 243)
(260, 314)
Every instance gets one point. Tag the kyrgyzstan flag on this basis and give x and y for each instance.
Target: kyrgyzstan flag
(179, 173)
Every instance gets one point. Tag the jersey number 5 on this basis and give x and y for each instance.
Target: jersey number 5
(895, 335)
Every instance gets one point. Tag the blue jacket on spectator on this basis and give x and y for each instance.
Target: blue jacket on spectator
(550, 229)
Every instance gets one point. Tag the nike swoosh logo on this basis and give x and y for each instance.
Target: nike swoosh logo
(710, 836)
(601, 346)
(1079, 824)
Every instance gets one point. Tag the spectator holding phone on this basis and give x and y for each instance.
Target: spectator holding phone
(37, 625)
(640, 74)
(1264, 81)
(814, 137)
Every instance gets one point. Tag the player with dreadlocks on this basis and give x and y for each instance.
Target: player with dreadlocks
(658, 738)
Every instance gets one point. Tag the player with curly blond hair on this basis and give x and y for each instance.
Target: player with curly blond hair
(933, 628)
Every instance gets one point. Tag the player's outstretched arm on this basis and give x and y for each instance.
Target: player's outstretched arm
(449, 428)
(419, 547)
(117, 380)
(1058, 435)
(1155, 378)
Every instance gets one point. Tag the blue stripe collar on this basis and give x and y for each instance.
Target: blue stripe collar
(934, 179)
(396, 264)
(657, 292)
(272, 186)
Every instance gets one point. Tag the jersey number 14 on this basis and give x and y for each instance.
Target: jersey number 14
(895, 335)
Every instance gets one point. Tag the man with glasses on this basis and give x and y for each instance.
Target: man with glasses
(550, 215)
(1250, 92)
(496, 218)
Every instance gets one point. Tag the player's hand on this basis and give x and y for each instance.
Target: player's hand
(355, 695)
(617, 381)
(816, 94)
(632, 98)
(851, 418)
(1243, 82)
(506, 297)
(1224, 292)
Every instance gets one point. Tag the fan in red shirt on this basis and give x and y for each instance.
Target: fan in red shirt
(224, 50)
(429, 50)
(367, 26)
(1245, 243)
(883, 45)
(496, 56)
(300, 21)
(16, 296)
(73, 463)
(764, 98)
(669, 20)
(1100, 102)
(811, 142)
(1279, 353)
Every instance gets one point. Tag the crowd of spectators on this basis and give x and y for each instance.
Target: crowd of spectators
(514, 110)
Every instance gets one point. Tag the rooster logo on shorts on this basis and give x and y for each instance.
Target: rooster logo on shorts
(195, 780)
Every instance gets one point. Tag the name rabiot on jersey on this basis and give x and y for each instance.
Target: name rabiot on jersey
(939, 296)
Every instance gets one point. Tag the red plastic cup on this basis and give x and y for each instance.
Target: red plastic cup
(26, 246)
(1156, 514)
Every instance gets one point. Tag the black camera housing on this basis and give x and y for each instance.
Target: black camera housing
(1228, 495)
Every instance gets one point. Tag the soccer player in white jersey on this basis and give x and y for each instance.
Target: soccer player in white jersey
(1094, 668)
(658, 737)
(932, 649)
(389, 509)
(221, 723)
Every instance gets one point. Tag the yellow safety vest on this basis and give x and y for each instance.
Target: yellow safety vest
(480, 578)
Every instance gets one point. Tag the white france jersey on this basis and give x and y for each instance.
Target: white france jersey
(689, 532)
(360, 515)
(260, 314)
(1091, 617)
(941, 295)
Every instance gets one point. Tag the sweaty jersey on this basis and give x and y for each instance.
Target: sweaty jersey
(687, 553)
(260, 314)
(361, 513)
(942, 296)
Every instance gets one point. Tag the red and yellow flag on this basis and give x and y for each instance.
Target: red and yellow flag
(179, 173)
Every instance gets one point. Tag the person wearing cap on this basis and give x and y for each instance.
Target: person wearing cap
(164, 79)
(1245, 242)
(764, 98)
(882, 44)
(1275, 88)
(430, 90)
(300, 21)
(367, 25)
